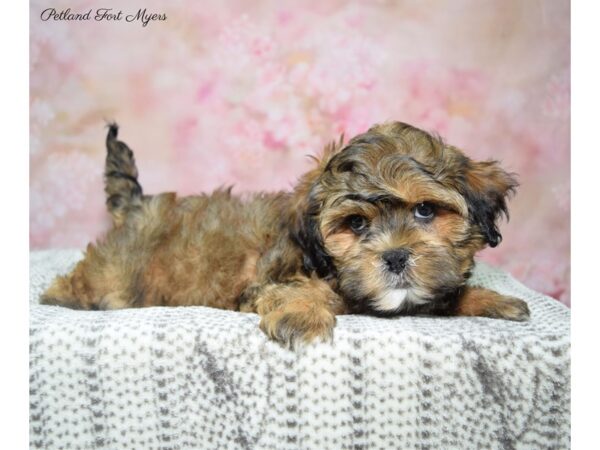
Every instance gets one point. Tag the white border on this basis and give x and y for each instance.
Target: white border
(585, 225)
(14, 48)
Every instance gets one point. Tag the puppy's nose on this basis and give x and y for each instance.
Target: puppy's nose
(396, 259)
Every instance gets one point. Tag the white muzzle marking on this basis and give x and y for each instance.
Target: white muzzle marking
(392, 300)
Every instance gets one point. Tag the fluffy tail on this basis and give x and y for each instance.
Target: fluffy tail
(123, 192)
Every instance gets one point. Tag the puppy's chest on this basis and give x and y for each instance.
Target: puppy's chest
(395, 299)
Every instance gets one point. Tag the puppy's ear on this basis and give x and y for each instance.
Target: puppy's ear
(487, 187)
(306, 208)
(305, 232)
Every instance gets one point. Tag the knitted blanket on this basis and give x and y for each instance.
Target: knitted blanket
(202, 378)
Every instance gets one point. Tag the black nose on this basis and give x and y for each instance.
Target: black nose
(396, 259)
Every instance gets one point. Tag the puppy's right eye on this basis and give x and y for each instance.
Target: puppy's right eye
(424, 211)
(357, 223)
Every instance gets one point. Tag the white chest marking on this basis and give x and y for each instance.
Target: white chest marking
(392, 300)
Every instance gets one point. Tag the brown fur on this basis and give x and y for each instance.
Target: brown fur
(476, 301)
(294, 258)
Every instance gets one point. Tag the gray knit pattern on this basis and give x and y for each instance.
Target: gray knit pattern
(203, 378)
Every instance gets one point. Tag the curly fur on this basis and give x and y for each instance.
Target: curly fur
(294, 257)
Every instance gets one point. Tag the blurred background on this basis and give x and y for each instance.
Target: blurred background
(239, 92)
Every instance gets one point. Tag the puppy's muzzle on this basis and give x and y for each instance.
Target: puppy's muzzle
(396, 259)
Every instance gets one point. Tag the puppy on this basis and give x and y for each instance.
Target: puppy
(387, 224)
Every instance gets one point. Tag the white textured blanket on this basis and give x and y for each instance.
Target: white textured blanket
(202, 378)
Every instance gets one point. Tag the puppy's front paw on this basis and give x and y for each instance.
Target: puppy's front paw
(476, 301)
(291, 326)
(510, 308)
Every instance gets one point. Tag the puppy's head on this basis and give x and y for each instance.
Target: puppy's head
(396, 216)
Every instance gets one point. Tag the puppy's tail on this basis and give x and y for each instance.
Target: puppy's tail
(123, 191)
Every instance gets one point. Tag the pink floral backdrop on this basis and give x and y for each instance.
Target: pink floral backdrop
(239, 92)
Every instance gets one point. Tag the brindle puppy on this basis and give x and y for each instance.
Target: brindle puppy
(387, 224)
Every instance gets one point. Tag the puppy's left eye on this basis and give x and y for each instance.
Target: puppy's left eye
(424, 211)
(357, 223)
